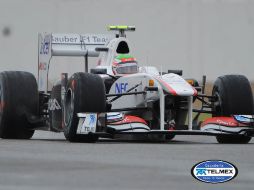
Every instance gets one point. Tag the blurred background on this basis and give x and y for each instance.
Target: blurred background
(202, 37)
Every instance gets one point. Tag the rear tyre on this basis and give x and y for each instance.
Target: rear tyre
(85, 93)
(233, 96)
(19, 100)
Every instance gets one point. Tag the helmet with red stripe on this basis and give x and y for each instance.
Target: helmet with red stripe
(124, 64)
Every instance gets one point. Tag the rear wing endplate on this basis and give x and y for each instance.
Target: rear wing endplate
(50, 45)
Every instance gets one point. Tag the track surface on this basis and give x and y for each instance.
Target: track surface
(49, 162)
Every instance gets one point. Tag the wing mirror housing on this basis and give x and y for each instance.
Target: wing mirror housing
(101, 49)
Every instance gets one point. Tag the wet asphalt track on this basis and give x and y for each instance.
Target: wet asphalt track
(49, 162)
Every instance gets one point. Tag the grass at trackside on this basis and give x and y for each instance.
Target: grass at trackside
(203, 116)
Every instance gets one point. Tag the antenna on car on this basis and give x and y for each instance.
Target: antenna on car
(122, 29)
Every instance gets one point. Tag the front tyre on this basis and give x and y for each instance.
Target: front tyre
(233, 96)
(228, 139)
(85, 93)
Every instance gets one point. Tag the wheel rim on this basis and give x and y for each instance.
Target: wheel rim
(69, 107)
(217, 104)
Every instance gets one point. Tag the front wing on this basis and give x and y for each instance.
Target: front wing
(93, 123)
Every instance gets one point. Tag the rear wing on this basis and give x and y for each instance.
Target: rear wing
(50, 45)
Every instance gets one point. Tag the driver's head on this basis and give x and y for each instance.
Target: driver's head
(124, 64)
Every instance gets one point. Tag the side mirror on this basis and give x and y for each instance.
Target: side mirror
(178, 72)
(98, 71)
(101, 49)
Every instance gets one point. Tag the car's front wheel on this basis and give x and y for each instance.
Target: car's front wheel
(85, 93)
(233, 95)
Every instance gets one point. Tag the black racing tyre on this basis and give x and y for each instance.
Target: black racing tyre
(85, 93)
(233, 96)
(170, 137)
(55, 108)
(19, 100)
(228, 139)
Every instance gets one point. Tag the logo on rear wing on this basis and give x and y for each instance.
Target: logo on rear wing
(87, 39)
(45, 46)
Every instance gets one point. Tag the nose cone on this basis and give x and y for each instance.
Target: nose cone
(176, 85)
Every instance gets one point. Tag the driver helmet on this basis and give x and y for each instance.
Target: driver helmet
(124, 64)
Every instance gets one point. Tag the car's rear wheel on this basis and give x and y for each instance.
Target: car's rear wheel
(85, 93)
(233, 95)
(19, 100)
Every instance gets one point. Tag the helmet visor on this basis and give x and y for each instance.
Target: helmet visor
(128, 68)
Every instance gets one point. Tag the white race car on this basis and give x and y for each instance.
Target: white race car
(118, 98)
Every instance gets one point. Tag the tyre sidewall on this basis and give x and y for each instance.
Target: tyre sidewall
(21, 101)
(235, 95)
(86, 93)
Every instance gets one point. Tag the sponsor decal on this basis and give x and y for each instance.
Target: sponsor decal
(43, 66)
(65, 39)
(93, 39)
(53, 105)
(221, 121)
(88, 39)
(87, 123)
(214, 171)
(45, 46)
(92, 119)
(121, 88)
(225, 122)
(244, 118)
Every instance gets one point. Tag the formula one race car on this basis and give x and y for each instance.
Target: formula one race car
(118, 98)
